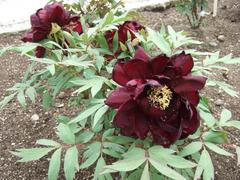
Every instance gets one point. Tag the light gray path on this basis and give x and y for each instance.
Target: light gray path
(15, 14)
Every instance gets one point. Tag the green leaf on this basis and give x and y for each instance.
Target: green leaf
(217, 137)
(159, 41)
(6, 100)
(21, 98)
(167, 158)
(84, 137)
(96, 87)
(115, 42)
(48, 142)
(98, 115)
(54, 165)
(52, 69)
(226, 115)
(233, 123)
(238, 154)
(102, 41)
(31, 154)
(217, 149)
(191, 149)
(71, 163)
(207, 117)
(99, 62)
(99, 167)
(206, 163)
(65, 134)
(165, 170)
(125, 165)
(86, 113)
(31, 93)
(145, 174)
(91, 160)
(47, 100)
(120, 139)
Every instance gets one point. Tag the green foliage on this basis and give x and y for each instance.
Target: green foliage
(81, 69)
(193, 10)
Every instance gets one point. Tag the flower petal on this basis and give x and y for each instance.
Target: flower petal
(190, 121)
(119, 75)
(184, 62)
(137, 69)
(118, 97)
(141, 54)
(158, 64)
(191, 97)
(189, 83)
(131, 121)
(165, 134)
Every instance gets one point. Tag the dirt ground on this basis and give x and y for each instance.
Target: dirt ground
(17, 130)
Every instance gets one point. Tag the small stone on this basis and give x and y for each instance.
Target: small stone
(35, 117)
(219, 102)
(221, 38)
(213, 44)
(13, 144)
(62, 95)
(59, 105)
(2, 159)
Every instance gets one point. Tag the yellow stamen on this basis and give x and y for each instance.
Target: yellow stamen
(55, 28)
(160, 97)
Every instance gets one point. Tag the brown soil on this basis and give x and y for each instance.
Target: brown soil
(17, 130)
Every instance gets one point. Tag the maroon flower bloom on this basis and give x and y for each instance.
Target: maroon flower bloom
(158, 95)
(42, 22)
(123, 31)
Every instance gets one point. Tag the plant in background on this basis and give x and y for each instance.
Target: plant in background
(193, 10)
(141, 114)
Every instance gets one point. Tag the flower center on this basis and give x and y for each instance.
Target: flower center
(55, 28)
(159, 97)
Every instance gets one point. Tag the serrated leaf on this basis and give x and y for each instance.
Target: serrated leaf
(54, 165)
(191, 149)
(21, 98)
(206, 163)
(165, 170)
(48, 142)
(217, 149)
(86, 113)
(102, 41)
(145, 174)
(225, 116)
(98, 115)
(65, 134)
(71, 163)
(31, 93)
(31, 154)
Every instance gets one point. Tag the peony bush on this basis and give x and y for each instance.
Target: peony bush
(142, 115)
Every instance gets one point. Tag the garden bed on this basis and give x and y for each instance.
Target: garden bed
(19, 129)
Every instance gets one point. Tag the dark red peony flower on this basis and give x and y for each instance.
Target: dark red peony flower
(123, 31)
(44, 19)
(158, 95)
